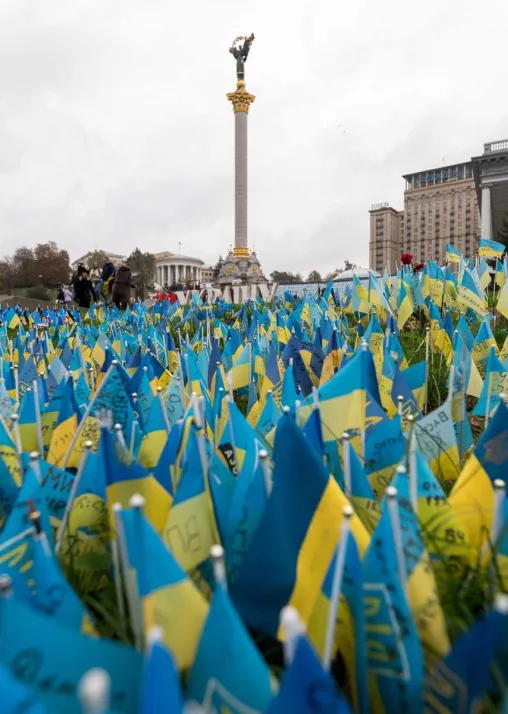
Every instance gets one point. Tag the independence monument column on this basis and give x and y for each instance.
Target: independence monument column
(241, 265)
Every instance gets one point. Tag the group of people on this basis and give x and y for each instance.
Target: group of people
(112, 284)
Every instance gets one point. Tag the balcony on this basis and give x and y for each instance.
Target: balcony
(492, 146)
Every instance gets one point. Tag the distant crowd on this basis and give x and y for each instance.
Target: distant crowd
(110, 284)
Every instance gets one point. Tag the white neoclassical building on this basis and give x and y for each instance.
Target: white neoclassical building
(171, 269)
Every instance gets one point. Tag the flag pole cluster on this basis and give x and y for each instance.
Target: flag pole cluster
(268, 507)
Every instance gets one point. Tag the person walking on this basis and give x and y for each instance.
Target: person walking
(95, 277)
(121, 292)
(84, 290)
(108, 271)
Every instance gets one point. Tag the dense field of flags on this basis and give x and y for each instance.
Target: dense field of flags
(259, 507)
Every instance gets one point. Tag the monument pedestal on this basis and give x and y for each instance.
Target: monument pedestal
(241, 266)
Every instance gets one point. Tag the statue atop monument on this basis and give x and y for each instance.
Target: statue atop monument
(240, 50)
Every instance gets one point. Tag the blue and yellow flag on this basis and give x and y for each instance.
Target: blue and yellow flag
(472, 497)
(491, 248)
(217, 681)
(169, 599)
(303, 515)
(452, 254)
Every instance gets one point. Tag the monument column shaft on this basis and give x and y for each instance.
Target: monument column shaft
(241, 182)
(241, 101)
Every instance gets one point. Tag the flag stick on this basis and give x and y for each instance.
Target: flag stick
(136, 502)
(38, 425)
(16, 382)
(219, 566)
(400, 405)
(292, 628)
(391, 494)
(427, 346)
(338, 576)
(412, 468)
(119, 435)
(298, 406)
(38, 533)
(498, 520)
(229, 380)
(94, 691)
(497, 527)
(200, 433)
(17, 439)
(189, 382)
(75, 485)
(6, 545)
(265, 466)
(92, 379)
(35, 465)
(346, 457)
(365, 347)
(463, 398)
(163, 409)
(451, 378)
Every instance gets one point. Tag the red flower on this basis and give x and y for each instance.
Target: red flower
(406, 258)
(419, 266)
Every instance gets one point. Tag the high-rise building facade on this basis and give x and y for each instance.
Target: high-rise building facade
(440, 207)
(386, 234)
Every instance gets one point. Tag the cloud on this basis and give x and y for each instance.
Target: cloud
(115, 130)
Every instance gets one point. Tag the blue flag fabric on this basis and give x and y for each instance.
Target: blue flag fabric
(306, 687)
(52, 659)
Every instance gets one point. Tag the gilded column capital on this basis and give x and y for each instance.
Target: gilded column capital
(240, 98)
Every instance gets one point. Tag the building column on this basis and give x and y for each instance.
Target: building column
(486, 212)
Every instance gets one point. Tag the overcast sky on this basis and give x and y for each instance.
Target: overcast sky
(115, 131)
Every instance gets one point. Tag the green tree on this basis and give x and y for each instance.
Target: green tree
(218, 266)
(314, 277)
(283, 277)
(25, 273)
(52, 264)
(6, 273)
(502, 234)
(96, 256)
(142, 266)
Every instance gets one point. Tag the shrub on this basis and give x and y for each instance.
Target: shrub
(38, 292)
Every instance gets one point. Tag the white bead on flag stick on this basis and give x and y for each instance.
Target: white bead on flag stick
(119, 434)
(5, 586)
(94, 691)
(219, 565)
(35, 465)
(292, 628)
(265, 466)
